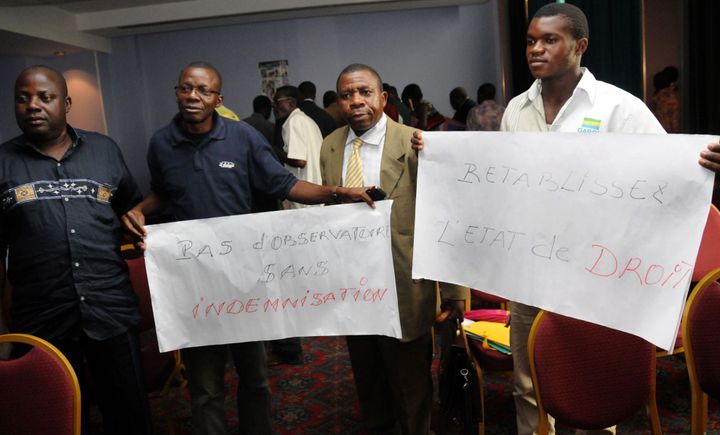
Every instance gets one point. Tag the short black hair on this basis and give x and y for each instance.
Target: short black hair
(261, 103)
(289, 91)
(307, 90)
(412, 91)
(329, 97)
(576, 19)
(52, 72)
(486, 91)
(205, 65)
(355, 67)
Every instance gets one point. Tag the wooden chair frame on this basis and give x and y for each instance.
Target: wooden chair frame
(699, 400)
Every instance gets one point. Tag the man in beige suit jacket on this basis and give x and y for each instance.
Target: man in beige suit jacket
(392, 376)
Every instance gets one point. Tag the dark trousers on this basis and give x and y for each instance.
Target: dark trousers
(394, 382)
(205, 370)
(117, 377)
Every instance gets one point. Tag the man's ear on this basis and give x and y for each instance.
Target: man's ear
(219, 101)
(68, 104)
(581, 46)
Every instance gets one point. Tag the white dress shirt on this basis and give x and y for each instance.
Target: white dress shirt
(370, 151)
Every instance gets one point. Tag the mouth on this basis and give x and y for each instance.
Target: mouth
(190, 109)
(536, 62)
(34, 120)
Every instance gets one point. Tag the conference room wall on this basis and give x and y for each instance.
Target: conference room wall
(438, 48)
(129, 93)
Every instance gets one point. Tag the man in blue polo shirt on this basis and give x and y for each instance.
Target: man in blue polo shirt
(204, 166)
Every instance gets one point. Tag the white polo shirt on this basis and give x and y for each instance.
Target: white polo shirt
(303, 140)
(594, 107)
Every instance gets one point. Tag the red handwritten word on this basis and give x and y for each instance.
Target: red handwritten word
(205, 309)
(606, 265)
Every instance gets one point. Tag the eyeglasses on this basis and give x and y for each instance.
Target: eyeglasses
(202, 90)
(276, 102)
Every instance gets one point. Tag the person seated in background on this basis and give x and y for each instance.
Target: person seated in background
(665, 104)
(487, 114)
(426, 117)
(330, 103)
(307, 104)
(462, 104)
(260, 118)
(395, 108)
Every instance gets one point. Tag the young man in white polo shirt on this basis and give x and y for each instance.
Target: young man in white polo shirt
(563, 98)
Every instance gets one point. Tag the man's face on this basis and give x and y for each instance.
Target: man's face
(361, 100)
(551, 50)
(40, 106)
(283, 106)
(197, 96)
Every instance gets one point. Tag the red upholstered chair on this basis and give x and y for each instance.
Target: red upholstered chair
(39, 392)
(708, 259)
(487, 358)
(701, 323)
(588, 376)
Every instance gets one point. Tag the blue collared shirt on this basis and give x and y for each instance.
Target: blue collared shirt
(215, 177)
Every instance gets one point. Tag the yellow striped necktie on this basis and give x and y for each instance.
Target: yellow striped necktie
(354, 172)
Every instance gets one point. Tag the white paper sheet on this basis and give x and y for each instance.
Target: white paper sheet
(308, 272)
(603, 228)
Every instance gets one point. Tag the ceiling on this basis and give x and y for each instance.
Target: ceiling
(44, 27)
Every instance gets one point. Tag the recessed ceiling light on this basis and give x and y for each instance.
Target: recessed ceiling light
(59, 53)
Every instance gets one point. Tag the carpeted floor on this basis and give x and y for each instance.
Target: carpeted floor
(318, 398)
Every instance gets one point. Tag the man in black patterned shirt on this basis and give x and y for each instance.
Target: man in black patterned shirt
(61, 192)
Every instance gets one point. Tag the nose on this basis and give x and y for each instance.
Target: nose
(32, 104)
(356, 100)
(536, 47)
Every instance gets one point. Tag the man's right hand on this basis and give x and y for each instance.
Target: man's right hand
(134, 222)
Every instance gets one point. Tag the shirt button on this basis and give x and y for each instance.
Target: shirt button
(59, 164)
(67, 199)
(77, 264)
(72, 231)
(82, 298)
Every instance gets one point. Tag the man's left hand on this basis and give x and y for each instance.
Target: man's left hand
(710, 158)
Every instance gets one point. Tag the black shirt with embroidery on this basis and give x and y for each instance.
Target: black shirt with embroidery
(59, 221)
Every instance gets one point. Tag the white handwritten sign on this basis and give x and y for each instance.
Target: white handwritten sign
(308, 272)
(603, 228)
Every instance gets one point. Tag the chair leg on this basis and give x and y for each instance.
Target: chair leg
(699, 412)
(654, 415)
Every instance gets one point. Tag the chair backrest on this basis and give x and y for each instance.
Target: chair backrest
(708, 258)
(40, 393)
(588, 376)
(701, 323)
(139, 281)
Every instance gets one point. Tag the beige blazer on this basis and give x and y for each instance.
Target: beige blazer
(417, 299)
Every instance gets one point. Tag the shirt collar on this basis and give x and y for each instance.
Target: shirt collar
(374, 136)
(75, 135)
(587, 84)
(178, 135)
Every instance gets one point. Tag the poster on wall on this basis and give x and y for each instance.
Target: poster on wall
(273, 74)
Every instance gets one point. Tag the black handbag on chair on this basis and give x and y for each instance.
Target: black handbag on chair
(460, 382)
